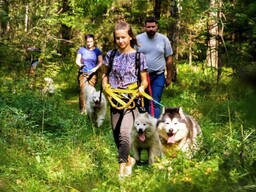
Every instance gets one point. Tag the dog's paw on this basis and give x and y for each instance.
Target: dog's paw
(83, 112)
(99, 122)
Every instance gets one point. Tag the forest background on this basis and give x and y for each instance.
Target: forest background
(46, 145)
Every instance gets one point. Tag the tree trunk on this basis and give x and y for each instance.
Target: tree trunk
(175, 8)
(65, 31)
(190, 53)
(213, 30)
(157, 9)
(26, 19)
(4, 21)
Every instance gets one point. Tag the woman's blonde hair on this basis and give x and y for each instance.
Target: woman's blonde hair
(124, 25)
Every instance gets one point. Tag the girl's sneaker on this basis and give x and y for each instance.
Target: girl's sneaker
(130, 164)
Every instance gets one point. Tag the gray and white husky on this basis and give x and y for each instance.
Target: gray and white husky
(178, 131)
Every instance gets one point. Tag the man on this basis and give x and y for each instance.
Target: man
(158, 51)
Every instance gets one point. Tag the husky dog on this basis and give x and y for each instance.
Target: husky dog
(96, 105)
(144, 136)
(178, 131)
(88, 90)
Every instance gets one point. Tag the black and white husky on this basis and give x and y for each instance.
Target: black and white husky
(178, 131)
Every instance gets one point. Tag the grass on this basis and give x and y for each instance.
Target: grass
(46, 145)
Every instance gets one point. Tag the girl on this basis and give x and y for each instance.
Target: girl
(124, 75)
(89, 59)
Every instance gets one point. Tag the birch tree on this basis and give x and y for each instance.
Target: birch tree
(212, 57)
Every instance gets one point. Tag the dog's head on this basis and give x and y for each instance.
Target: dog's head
(95, 99)
(48, 80)
(172, 123)
(144, 125)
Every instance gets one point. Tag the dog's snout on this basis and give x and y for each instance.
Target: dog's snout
(170, 130)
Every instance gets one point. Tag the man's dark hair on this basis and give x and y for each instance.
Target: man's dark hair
(89, 36)
(151, 20)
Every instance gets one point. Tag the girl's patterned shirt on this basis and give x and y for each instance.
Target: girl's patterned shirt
(124, 71)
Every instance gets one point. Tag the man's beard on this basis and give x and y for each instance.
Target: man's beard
(151, 34)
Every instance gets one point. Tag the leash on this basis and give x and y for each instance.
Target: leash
(150, 93)
(117, 97)
(151, 99)
(84, 74)
(89, 73)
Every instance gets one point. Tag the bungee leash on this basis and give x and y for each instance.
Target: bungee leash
(118, 97)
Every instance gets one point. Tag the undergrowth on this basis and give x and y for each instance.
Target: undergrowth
(46, 145)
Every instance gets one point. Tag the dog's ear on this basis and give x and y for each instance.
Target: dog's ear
(146, 115)
(163, 111)
(182, 114)
(159, 124)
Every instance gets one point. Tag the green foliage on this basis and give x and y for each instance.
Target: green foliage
(240, 23)
(46, 145)
(57, 27)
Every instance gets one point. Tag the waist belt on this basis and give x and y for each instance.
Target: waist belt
(124, 98)
(156, 73)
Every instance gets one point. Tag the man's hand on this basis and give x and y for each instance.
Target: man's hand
(168, 78)
(168, 81)
(93, 70)
(141, 89)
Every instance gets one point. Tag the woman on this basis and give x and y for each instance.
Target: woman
(89, 59)
(122, 76)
